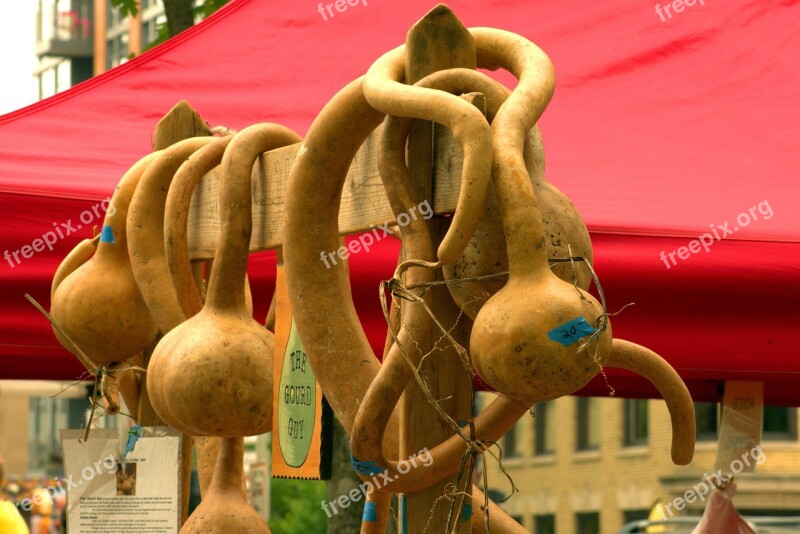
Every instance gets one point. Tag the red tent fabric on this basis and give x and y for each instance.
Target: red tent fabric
(667, 124)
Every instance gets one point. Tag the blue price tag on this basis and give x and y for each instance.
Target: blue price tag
(133, 436)
(107, 235)
(370, 512)
(466, 512)
(366, 468)
(570, 332)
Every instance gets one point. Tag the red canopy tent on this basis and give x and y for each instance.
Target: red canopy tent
(667, 124)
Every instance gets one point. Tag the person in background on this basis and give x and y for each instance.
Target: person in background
(11, 521)
(42, 513)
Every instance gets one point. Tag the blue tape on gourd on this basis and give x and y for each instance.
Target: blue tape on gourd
(370, 512)
(133, 436)
(366, 468)
(570, 332)
(107, 235)
(466, 512)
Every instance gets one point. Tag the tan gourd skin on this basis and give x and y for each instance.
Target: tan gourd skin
(468, 125)
(176, 222)
(566, 233)
(110, 388)
(146, 232)
(217, 365)
(485, 253)
(77, 257)
(385, 391)
(510, 346)
(645, 362)
(176, 246)
(499, 521)
(335, 349)
(129, 385)
(322, 304)
(99, 306)
(509, 343)
(224, 509)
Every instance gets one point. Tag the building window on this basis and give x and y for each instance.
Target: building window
(48, 415)
(635, 422)
(629, 516)
(544, 524)
(780, 423)
(587, 523)
(588, 414)
(707, 415)
(545, 429)
(510, 443)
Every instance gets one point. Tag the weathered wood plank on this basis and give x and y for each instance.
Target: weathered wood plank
(364, 202)
(438, 41)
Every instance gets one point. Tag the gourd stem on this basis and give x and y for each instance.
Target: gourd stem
(384, 90)
(229, 468)
(226, 284)
(643, 361)
(385, 391)
(145, 228)
(522, 221)
(176, 220)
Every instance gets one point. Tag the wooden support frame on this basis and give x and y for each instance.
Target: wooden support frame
(438, 41)
(364, 202)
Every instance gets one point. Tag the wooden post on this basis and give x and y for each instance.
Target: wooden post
(438, 41)
(182, 122)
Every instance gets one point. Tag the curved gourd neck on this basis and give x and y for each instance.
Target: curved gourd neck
(229, 468)
(176, 219)
(113, 238)
(226, 283)
(522, 220)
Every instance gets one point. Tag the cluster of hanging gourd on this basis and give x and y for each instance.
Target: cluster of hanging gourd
(514, 344)
(210, 374)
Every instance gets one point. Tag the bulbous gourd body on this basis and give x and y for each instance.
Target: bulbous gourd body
(513, 352)
(100, 307)
(214, 375)
(565, 235)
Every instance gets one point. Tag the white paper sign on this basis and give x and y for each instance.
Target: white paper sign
(740, 428)
(138, 494)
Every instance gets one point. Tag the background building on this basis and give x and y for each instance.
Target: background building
(78, 39)
(590, 465)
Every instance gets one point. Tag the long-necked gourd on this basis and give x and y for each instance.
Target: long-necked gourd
(217, 365)
(99, 306)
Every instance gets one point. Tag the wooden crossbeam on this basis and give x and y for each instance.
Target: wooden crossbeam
(364, 202)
